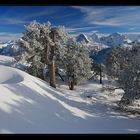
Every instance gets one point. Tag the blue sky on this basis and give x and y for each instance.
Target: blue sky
(76, 19)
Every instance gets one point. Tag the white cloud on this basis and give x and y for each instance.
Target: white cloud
(81, 28)
(6, 36)
(106, 23)
(138, 33)
(76, 31)
(11, 21)
(132, 28)
(111, 15)
(95, 31)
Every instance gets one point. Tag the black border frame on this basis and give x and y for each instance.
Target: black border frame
(69, 2)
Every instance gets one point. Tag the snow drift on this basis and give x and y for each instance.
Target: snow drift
(9, 75)
(30, 105)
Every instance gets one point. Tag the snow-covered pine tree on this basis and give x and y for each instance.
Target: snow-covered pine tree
(77, 63)
(36, 40)
(41, 42)
(97, 70)
(117, 61)
(58, 36)
(129, 78)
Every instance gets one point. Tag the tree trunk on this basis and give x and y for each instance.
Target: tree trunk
(52, 74)
(71, 85)
(52, 62)
(100, 75)
(75, 83)
(51, 66)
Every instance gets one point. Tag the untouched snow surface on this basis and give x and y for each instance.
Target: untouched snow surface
(30, 105)
(7, 60)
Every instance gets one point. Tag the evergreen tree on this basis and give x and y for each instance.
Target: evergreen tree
(117, 61)
(77, 63)
(42, 42)
(123, 63)
(129, 78)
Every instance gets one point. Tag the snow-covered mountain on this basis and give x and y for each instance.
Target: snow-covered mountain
(101, 55)
(10, 48)
(133, 36)
(82, 38)
(114, 39)
(111, 40)
(94, 38)
(93, 41)
(99, 45)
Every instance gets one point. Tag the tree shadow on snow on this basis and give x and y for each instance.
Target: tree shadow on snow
(40, 112)
(47, 111)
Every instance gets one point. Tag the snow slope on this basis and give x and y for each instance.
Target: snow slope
(7, 60)
(30, 105)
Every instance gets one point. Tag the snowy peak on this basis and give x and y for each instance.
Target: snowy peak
(111, 40)
(10, 48)
(135, 42)
(116, 34)
(127, 41)
(114, 39)
(82, 38)
(95, 37)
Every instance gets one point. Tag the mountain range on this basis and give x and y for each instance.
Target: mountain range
(101, 45)
(110, 40)
(10, 48)
(98, 44)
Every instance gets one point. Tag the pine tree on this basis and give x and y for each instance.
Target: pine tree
(34, 41)
(123, 64)
(129, 78)
(42, 42)
(97, 69)
(58, 36)
(77, 63)
(117, 61)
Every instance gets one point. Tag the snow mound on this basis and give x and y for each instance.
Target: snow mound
(7, 60)
(9, 75)
(30, 105)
